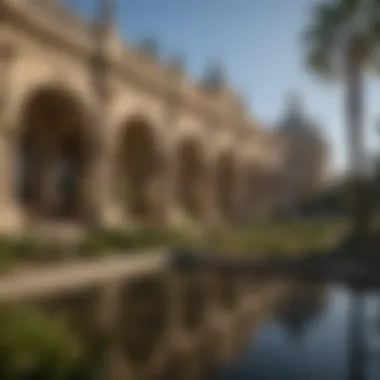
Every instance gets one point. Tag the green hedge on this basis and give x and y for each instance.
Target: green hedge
(282, 238)
(34, 346)
(33, 249)
(260, 238)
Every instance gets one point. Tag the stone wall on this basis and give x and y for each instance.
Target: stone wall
(126, 136)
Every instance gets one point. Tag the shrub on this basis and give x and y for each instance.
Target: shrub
(34, 346)
(34, 249)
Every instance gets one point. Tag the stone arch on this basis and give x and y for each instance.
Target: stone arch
(29, 73)
(53, 143)
(139, 166)
(226, 177)
(192, 169)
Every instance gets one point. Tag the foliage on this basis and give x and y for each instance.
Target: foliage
(121, 240)
(299, 308)
(32, 249)
(33, 346)
(290, 239)
(333, 23)
(261, 238)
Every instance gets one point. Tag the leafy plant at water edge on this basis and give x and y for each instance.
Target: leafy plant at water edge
(34, 346)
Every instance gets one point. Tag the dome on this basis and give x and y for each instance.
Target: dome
(296, 125)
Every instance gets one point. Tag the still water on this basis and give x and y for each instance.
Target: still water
(307, 340)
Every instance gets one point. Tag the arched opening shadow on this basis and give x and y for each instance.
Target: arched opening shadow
(53, 155)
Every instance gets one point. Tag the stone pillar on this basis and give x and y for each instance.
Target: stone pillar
(251, 200)
(10, 218)
(242, 197)
(99, 192)
(171, 207)
(99, 184)
(266, 194)
(253, 192)
(211, 214)
(239, 203)
(260, 192)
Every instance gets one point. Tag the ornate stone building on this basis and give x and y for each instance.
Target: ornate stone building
(306, 158)
(154, 147)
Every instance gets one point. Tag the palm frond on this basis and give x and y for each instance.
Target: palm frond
(323, 37)
(320, 62)
(372, 39)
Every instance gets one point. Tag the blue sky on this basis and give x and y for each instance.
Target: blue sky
(258, 42)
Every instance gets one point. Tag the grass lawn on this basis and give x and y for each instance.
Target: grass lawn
(291, 238)
(36, 251)
(259, 239)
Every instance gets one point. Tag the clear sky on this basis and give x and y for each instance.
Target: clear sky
(258, 42)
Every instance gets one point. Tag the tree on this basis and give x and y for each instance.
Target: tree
(343, 41)
(300, 309)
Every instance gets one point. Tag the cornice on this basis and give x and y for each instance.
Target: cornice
(52, 22)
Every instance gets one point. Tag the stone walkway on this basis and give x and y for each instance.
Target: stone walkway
(55, 279)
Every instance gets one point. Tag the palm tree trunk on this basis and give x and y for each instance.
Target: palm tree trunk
(354, 103)
(356, 353)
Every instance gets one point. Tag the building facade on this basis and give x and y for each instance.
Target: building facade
(305, 164)
(143, 145)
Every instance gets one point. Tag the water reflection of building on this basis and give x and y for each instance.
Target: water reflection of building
(301, 307)
(306, 160)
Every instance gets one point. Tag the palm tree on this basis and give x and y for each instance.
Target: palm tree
(343, 41)
(300, 309)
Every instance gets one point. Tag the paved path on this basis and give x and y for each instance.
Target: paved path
(60, 278)
(66, 277)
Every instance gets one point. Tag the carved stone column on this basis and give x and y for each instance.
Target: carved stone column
(173, 102)
(240, 196)
(238, 203)
(99, 182)
(211, 212)
(210, 221)
(172, 211)
(101, 205)
(10, 218)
